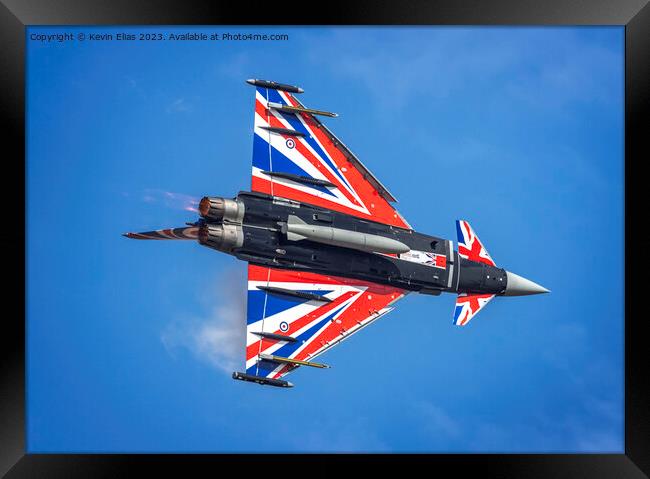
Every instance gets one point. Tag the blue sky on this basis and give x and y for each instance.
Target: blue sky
(130, 345)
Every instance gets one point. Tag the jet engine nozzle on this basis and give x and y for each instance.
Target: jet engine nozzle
(221, 209)
(222, 237)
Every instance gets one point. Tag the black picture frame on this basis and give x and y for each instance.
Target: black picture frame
(15, 15)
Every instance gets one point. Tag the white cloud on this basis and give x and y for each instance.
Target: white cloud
(437, 420)
(217, 338)
(546, 68)
(180, 105)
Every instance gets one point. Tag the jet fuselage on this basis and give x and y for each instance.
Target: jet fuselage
(257, 228)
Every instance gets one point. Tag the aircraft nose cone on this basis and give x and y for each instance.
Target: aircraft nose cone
(519, 286)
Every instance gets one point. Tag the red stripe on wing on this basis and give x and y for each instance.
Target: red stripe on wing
(254, 348)
(259, 273)
(380, 209)
(263, 185)
(309, 156)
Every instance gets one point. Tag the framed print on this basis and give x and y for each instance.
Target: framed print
(211, 206)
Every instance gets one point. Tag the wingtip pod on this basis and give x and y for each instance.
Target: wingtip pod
(274, 85)
(261, 380)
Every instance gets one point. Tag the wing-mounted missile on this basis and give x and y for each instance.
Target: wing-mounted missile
(295, 362)
(300, 109)
(300, 179)
(283, 131)
(297, 230)
(295, 294)
(274, 336)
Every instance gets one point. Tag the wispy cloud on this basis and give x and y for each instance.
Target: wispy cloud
(169, 199)
(218, 337)
(569, 434)
(594, 424)
(436, 420)
(179, 105)
(433, 63)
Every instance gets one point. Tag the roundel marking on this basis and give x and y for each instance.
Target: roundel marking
(290, 143)
(284, 326)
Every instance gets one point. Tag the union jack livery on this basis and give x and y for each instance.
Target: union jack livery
(469, 246)
(298, 315)
(467, 305)
(328, 253)
(295, 156)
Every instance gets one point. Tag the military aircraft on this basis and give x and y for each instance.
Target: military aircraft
(327, 252)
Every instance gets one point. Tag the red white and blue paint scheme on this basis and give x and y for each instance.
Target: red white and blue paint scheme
(328, 253)
(316, 325)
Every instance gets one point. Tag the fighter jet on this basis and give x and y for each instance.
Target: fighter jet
(328, 253)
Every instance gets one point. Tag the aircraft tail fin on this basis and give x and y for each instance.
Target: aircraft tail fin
(185, 233)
